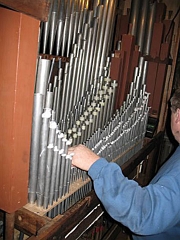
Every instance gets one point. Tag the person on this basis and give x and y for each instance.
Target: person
(151, 212)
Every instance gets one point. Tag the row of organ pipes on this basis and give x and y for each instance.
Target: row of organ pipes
(75, 98)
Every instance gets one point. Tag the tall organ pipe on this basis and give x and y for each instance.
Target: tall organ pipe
(95, 4)
(76, 21)
(101, 39)
(57, 179)
(111, 35)
(108, 27)
(90, 17)
(68, 86)
(35, 139)
(149, 28)
(42, 76)
(48, 171)
(85, 13)
(93, 44)
(53, 175)
(142, 24)
(64, 90)
(42, 155)
(60, 26)
(100, 9)
(76, 89)
(66, 26)
(49, 99)
(49, 161)
(134, 16)
(70, 32)
(53, 27)
(81, 71)
(85, 80)
(114, 87)
(80, 22)
(59, 86)
(73, 84)
(46, 29)
(144, 72)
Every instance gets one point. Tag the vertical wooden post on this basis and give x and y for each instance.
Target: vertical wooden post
(19, 49)
(9, 226)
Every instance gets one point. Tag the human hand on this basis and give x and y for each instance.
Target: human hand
(83, 157)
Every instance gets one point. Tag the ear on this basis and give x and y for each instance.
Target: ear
(177, 116)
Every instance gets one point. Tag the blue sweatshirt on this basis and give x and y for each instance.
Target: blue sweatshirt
(151, 212)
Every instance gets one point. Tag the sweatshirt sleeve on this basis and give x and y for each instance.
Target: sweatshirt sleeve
(144, 210)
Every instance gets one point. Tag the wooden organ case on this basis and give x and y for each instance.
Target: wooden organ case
(28, 57)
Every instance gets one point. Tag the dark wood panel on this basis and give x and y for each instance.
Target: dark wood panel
(38, 9)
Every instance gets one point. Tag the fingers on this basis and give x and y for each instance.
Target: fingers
(72, 149)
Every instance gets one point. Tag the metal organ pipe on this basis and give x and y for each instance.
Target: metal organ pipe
(70, 34)
(134, 16)
(66, 26)
(142, 24)
(149, 27)
(42, 155)
(60, 25)
(42, 76)
(35, 141)
(108, 27)
(101, 40)
(46, 29)
(142, 18)
(53, 25)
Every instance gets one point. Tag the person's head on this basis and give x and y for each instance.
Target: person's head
(175, 114)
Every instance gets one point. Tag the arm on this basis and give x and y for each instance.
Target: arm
(147, 210)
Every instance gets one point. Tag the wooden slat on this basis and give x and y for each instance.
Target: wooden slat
(38, 9)
(29, 222)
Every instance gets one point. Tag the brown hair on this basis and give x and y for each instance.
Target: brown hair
(175, 100)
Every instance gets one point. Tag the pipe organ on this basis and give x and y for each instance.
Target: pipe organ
(74, 102)
(87, 91)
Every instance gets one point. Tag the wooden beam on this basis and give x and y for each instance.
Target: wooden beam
(29, 222)
(38, 9)
(9, 226)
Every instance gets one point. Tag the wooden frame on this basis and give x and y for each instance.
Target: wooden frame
(38, 9)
